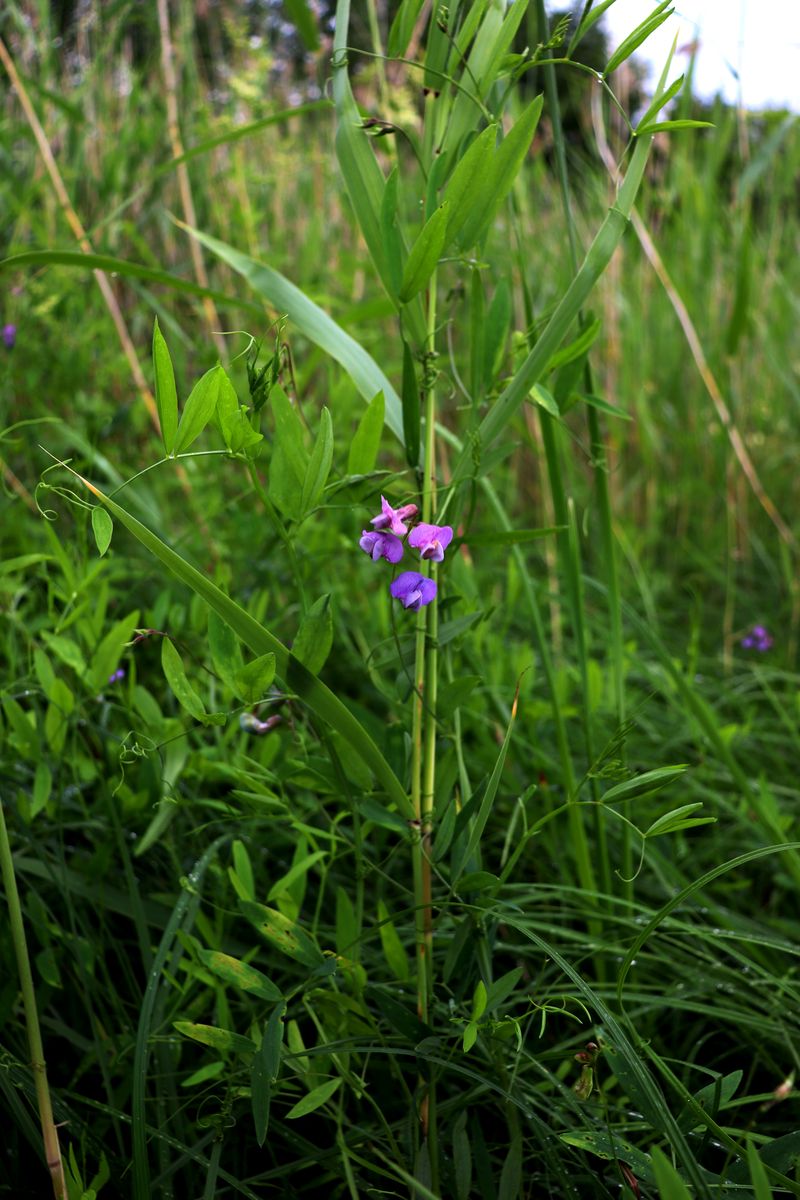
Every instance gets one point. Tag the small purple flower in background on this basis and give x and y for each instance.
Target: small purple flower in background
(394, 519)
(757, 639)
(251, 724)
(9, 336)
(431, 540)
(381, 545)
(117, 676)
(413, 590)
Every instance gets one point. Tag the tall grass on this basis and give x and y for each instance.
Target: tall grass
(491, 900)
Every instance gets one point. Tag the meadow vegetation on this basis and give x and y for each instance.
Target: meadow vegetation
(489, 896)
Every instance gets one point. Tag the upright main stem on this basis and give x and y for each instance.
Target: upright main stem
(423, 774)
(52, 1150)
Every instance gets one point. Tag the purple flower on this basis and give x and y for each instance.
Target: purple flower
(413, 590)
(394, 519)
(9, 336)
(431, 540)
(381, 545)
(117, 676)
(757, 639)
(251, 724)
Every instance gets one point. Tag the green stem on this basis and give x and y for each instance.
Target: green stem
(423, 768)
(52, 1150)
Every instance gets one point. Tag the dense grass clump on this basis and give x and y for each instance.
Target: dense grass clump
(464, 867)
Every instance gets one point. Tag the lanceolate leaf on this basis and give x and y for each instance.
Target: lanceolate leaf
(199, 409)
(364, 447)
(319, 465)
(315, 324)
(296, 677)
(424, 254)
(166, 394)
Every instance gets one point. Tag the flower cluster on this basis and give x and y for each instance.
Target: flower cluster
(757, 639)
(384, 540)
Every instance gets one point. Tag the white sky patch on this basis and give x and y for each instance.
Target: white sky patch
(758, 40)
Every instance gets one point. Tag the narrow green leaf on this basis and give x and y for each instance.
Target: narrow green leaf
(107, 654)
(758, 1176)
(295, 872)
(678, 818)
(402, 27)
(239, 974)
(576, 348)
(289, 433)
(590, 18)
(660, 101)
(469, 1037)
(183, 691)
(315, 636)
(393, 949)
(611, 410)
(392, 239)
(319, 464)
(166, 393)
(24, 731)
(545, 399)
(264, 1072)
(204, 1074)
(479, 1000)
(223, 1040)
(363, 452)
(411, 417)
(511, 1175)
(199, 409)
(347, 927)
(305, 22)
(465, 188)
(243, 868)
(640, 34)
(670, 1185)
(42, 786)
(252, 682)
(648, 781)
(226, 653)
(681, 123)
(499, 179)
(314, 1100)
(424, 254)
(284, 934)
(103, 528)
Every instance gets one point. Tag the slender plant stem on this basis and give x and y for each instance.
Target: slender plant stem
(52, 1150)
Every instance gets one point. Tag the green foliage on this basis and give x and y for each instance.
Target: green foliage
(211, 726)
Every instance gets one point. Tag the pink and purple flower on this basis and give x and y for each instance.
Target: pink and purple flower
(431, 540)
(413, 590)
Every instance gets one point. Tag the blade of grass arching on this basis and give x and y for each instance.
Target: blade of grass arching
(189, 896)
(703, 1117)
(598, 458)
(319, 698)
(648, 1092)
(594, 264)
(316, 325)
